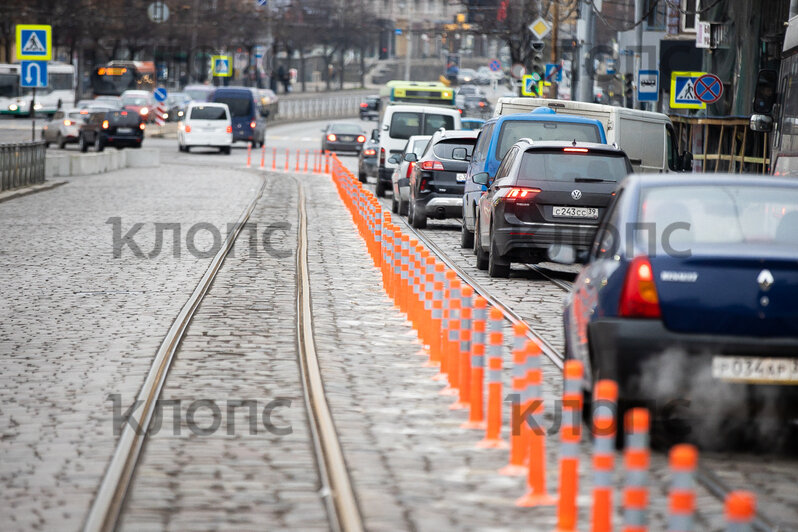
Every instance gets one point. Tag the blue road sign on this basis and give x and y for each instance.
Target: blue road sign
(261, 2)
(495, 65)
(34, 42)
(33, 74)
(553, 72)
(398, 31)
(647, 85)
(159, 94)
(709, 88)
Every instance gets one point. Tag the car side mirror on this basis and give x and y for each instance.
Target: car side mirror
(460, 154)
(686, 162)
(375, 135)
(264, 113)
(411, 157)
(482, 178)
(761, 123)
(394, 159)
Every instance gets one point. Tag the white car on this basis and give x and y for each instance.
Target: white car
(401, 174)
(206, 124)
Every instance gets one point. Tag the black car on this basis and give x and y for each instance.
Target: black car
(438, 177)
(342, 137)
(547, 199)
(367, 158)
(119, 129)
(370, 108)
(476, 105)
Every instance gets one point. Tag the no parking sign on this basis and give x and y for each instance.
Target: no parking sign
(708, 88)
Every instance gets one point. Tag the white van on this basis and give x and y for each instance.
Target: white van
(648, 138)
(206, 124)
(400, 122)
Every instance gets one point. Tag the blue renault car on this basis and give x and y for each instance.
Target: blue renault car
(500, 133)
(690, 297)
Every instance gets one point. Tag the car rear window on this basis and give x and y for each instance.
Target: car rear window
(239, 107)
(558, 165)
(134, 100)
(720, 215)
(405, 124)
(350, 129)
(208, 113)
(444, 148)
(514, 130)
(122, 117)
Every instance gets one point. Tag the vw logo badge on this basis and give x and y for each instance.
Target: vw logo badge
(576, 194)
(765, 280)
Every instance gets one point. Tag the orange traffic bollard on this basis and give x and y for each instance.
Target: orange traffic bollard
(476, 414)
(462, 362)
(636, 457)
(274, 158)
(438, 289)
(517, 448)
(307, 156)
(493, 439)
(249, 154)
(605, 407)
(452, 339)
(570, 436)
(327, 163)
(263, 157)
(681, 498)
(740, 511)
(297, 161)
(287, 156)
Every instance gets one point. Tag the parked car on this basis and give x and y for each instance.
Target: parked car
(342, 137)
(401, 175)
(249, 125)
(500, 133)
(140, 102)
(438, 177)
(206, 124)
(367, 158)
(115, 128)
(402, 121)
(63, 128)
(700, 308)
(545, 196)
(370, 107)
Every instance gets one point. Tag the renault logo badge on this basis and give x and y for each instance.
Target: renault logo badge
(576, 194)
(765, 280)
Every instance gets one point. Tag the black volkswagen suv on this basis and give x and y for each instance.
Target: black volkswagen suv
(119, 129)
(545, 203)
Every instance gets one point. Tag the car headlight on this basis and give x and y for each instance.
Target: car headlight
(37, 106)
(13, 107)
(180, 113)
(143, 111)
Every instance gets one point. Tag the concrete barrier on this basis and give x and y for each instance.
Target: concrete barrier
(56, 166)
(75, 164)
(143, 158)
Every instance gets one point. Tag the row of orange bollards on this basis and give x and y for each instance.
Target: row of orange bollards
(320, 160)
(463, 338)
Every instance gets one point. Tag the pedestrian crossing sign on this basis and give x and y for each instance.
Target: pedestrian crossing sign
(34, 42)
(529, 85)
(220, 66)
(683, 94)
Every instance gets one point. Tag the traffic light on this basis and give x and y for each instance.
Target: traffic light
(628, 89)
(501, 13)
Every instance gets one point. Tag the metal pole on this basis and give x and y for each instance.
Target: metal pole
(638, 62)
(33, 115)
(408, 51)
(586, 72)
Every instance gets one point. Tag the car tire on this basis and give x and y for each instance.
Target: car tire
(497, 265)
(394, 206)
(482, 256)
(419, 218)
(379, 190)
(186, 148)
(225, 150)
(82, 144)
(98, 144)
(361, 175)
(466, 237)
(61, 141)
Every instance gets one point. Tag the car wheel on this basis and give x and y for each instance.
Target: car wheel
(61, 141)
(394, 205)
(82, 144)
(466, 237)
(98, 144)
(379, 190)
(361, 175)
(226, 150)
(419, 219)
(482, 257)
(498, 266)
(186, 148)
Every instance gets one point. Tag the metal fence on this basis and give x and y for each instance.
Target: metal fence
(313, 107)
(21, 164)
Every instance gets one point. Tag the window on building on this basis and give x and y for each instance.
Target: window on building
(657, 18)
(688, 16)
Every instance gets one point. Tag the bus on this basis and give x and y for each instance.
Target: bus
(775, 106)
(417, 92)
(118, 76)
(60, 91)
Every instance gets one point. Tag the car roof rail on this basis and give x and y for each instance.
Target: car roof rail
(526, 139)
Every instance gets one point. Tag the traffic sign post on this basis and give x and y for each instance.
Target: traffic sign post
(159, 94)
(495, 65)
(683, 94)
(553, 72)
(33, 74)
(529, 84)
(709, 88)
(34, 42)
(648, 85)
(221, 66)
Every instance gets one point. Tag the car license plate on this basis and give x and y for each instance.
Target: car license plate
(575, 212)
(755, 369)
(461, 178)
(124, 130)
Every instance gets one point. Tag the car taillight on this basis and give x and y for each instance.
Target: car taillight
(410, 166)
(252, 124)
(382, 156)
(331, 137)
(369, 152)
(431, 165)
(521, 193)
(68, 122)
(142, 126)
(639, 295)
(123, 113)
(575, 150)
(188, 128)
(229, 129)
(361, 138)
(364, 105)
(144, 111)
(105, 124)
(482, 104)
(460, 111)
(424, 184)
